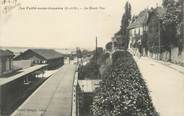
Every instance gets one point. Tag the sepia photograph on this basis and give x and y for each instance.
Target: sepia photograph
(91, 57)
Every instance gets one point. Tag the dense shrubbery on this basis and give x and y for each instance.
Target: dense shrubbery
(122, 91)
(92, 69)
(89, 71)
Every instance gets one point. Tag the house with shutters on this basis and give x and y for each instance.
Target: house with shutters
(137, 29)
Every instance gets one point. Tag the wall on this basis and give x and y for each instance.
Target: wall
(0, 66)
(10, 93)
(55, 63)
(177, 57)
(23, 63)
(5, 65)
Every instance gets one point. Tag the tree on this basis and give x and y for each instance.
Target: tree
(165, 2)
(170, 22)
(89, 71)
(108, 46)
(126, 18)
(133, 18)
(79, 53)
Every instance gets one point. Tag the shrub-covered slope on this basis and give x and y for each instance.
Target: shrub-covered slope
(122, 91)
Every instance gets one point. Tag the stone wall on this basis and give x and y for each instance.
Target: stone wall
(177, 57)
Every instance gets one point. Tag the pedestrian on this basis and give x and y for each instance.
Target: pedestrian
(140, 48)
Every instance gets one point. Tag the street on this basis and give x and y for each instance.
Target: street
(166, 86)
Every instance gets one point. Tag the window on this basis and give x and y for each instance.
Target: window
(44, 61)
(26, 81)
(10, 64)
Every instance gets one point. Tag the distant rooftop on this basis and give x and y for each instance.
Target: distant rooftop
(47, 53)
(160, 12)
(6, 53)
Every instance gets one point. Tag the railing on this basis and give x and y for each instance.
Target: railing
(75, 104)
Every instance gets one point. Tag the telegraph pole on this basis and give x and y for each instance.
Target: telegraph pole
(96, 48)
(97, 75)
(159, 42)
(182, 31)
(77, 55)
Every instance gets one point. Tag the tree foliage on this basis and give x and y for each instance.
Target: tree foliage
(89, 71)
(170, 22)
(79, 53)
(125, 21)
(108, 46)
(122, 91)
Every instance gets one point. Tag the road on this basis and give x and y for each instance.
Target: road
(53, 97)
(166, 86)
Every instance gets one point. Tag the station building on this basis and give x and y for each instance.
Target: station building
(51, 57)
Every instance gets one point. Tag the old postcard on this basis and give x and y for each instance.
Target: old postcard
(91, 57)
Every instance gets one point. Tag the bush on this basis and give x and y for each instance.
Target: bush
(122, 91)
(89, 71)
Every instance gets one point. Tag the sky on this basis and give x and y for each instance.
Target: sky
(65, 28)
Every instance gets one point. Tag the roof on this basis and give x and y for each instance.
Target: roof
(47, 53)
(159, 11)
(6, 53)
(141, 19)
(4, 80)
(88, 86)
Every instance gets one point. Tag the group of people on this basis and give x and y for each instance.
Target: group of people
(137, 49)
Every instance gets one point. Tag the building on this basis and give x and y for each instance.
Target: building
(6, 58)
(137, 29)
(15, 88)
(43, 56)
(22, 64)
(88, 86)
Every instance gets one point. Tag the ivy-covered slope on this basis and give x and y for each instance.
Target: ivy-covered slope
(122, 92)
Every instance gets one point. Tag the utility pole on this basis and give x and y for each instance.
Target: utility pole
(182, 31)
(96, 56)
(113, 48)
(77, 56)
(96, 48)
(159, 41)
